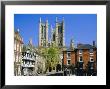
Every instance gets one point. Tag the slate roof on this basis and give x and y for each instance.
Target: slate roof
(81, 46)
(85, 46)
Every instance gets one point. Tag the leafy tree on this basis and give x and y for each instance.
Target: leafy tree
(51, 56)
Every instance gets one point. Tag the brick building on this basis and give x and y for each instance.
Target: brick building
(83, 53)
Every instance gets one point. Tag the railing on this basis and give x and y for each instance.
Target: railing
(28, 58)
(27, 65)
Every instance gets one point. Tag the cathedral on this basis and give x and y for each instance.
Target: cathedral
(57, 34)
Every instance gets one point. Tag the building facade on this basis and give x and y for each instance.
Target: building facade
(40, 64)
(28, 60)
(84, 54)
(43, 33)
(18, 45)
(57, 34)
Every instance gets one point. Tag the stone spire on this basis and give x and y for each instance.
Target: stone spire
(56, 19)
(72, 44)
(51, 33)
(56, 32)
(46, 33)
(39, 32)
(30, 41)
(63, 25)
(40, 20)
(63, 19)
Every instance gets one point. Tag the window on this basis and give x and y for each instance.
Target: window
(80, 51)
(68, 62)
(68, 54)
(15, 45)
(80, 59)
(91, 59)
(92, 66)
(91, 51)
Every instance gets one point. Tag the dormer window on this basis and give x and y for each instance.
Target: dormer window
(91, 51)
(68, 54)
(80, 51)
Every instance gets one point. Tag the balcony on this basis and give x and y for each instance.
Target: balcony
(28, 58)
(27, 65)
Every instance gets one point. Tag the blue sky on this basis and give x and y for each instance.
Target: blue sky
(81, 27)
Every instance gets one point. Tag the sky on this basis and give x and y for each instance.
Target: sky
(82, 28)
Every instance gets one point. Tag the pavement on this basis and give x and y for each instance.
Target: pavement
(53, 73)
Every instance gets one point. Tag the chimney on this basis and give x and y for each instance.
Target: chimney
(93, 43)
(78, 45)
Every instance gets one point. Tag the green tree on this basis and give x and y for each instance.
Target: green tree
(51, 55)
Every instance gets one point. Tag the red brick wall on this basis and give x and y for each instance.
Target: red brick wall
(75, 57)
(86, 56)
(72, 57)
(64, 58)
(95, 58)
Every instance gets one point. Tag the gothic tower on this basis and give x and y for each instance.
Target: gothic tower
(56, 33)
(30, 41)
(59, 33)
(72, 44)
(43, 33)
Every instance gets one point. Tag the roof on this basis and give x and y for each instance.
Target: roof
(69, 49)
(80, 46)
(85, 46)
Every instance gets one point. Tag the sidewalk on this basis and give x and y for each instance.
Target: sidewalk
(51, 73)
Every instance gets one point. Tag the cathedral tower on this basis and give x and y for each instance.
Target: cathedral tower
(59, 33)
(43, 33)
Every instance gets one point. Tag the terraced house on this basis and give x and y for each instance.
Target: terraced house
(84, 56)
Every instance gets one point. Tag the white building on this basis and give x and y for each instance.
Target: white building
(28, 59)
(18, 45)
(28, 63)
(32, 62)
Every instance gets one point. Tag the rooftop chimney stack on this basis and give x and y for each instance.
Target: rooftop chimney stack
(79, 44)
(93, 43)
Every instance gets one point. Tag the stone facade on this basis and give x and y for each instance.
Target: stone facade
(28, 60)
(18, 45)
(57, 34)
(43, 33)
